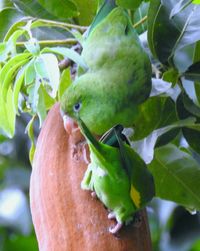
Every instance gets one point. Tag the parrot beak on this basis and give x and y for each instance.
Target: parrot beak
(69, 124)
(72, 129)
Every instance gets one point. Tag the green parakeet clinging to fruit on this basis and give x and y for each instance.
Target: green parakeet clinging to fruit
(118, 78)
(117, 175)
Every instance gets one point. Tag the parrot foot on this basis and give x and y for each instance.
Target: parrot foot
(85, 158)
(94, 195)
(79, 152)
(116, 228)
(111, 216)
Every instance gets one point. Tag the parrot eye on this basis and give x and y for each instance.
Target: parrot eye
(77, 107)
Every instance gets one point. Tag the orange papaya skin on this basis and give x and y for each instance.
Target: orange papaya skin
(65, 217)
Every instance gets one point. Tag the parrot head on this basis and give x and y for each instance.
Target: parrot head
(75, 104)
(84, 99)
(71, 103)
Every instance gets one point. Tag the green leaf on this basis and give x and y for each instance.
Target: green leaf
(68, 53)
(181, 5)
(32, 45)
(16, 26)
(8, 48)
(145, 147)
(171, 76)
(8, 17)
(51, 29)
(8, 72)
(33, 95)
(190, 105)
(148, 117)
(48, 101)
(65, 81)
(33, 8)
(30, 131)
(196, 1)
(7, 114)
(193, 73)
(13, 38)
(192, 137)
(60, 8)
(10, 77)
(17, 87)
(87, 10)
(176, 175)
(30, 74)
(41, 108)
(197, 90)
(4, 53)
(181, 30)
(139, 14)
(5, 4)
(154, 18)
(168, 117)
(129, 4)
(47, 70)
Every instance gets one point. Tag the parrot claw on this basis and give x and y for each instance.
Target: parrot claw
(85, 158)
(79, 151)
(111, 216)
(94, 195)
(116, 228)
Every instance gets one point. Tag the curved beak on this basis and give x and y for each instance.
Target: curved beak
(69, 124)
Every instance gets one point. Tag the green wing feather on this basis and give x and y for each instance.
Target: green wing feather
(117, 174)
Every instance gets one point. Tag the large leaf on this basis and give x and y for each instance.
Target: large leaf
(154, 113)
(140, 14)
(8, 48)
(162, 35)
(65, 81)
(185, 108)
(193, 73)
(87, 10)
(167, 35)
(5, 4)
(68, 53)
(148, 117)
(34, 9)
(9, 70)
(145, 147)
(30, 131)
(176, 175)
(41, 29)
(7, 114)
(60, 8)
(129, 4)
(181, 5)
(8, 17)
(47, 71)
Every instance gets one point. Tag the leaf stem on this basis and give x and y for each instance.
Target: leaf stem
(69, 41)
(140, 22)
(63, 24)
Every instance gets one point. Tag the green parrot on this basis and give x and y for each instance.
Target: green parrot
(117, 175)
(118, 78)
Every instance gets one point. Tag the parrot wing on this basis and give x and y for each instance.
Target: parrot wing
(142, 183)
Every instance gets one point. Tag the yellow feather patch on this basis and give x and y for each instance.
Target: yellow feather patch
(135, 196)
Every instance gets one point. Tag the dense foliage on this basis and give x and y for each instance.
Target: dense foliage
(39, 37)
